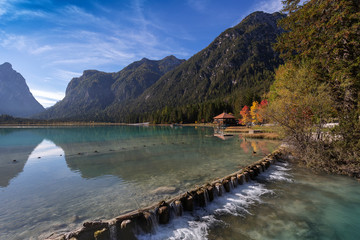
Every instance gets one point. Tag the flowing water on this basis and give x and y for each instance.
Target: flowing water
(53, 179)
(64, 176)
(285, 202)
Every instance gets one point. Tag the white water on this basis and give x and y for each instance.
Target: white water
(196, 225)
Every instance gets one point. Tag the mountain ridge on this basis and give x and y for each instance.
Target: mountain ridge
(239, 58)
(89, 94)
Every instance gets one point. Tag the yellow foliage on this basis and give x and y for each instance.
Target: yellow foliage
(256, 113)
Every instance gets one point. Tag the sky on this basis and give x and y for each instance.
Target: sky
(49, 42)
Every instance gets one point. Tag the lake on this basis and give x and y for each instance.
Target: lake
(64, 176)
(55, 178)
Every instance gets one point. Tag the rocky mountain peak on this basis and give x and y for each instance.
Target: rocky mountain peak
(89, 73)
(260, 17)
(6, 66)
(15, 97)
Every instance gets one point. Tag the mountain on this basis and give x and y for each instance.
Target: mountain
(240, 60)
(87, 96)
(133, 80)
(235, 69)
(15, 96)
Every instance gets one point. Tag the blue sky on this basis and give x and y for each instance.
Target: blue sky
(51, 41)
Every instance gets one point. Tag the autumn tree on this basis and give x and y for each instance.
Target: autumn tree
(257, 111)
(321, 48)
(263, 110)
(254, 112)
(299, 103)
(245, 114)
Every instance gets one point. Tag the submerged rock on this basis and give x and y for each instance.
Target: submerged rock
(164, 190)
(74, 219)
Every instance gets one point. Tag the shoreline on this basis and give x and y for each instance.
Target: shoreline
(80, 124)
(245, 132)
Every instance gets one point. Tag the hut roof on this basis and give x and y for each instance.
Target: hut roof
(224, 116)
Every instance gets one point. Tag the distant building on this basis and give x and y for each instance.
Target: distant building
(225, 119)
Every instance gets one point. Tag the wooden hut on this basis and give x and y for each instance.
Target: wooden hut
(225, 119)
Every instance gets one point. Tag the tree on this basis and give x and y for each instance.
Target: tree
(299, 103)
(262, 110)
(328, 33)
(320, 80)
(254, 112)
(258, 111)
(245, 114)
(264, 103)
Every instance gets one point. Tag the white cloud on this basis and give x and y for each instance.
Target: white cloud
(8, 8)
(46, 102)
(269, 6)
(48, 94)
(65, 75)
(79, 40)
(47, 98)
(22, 43)
(2, 11)
(12, 41)
(4, 7)
(105, 42)
(40, 50)
(29, 13)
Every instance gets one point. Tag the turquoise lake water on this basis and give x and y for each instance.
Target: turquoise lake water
(67, 175)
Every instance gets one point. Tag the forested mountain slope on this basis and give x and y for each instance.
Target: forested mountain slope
(87, 96)
(239, 62)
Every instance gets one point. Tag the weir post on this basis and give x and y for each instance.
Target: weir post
(226, 185)
(146, 222)
(201, 197)
(252, 174)
(210, 190)
(163, 212)
(188, 202)
(126, 230)
(178, 208)
(234, 182)
(218, 188)
(246, 175)
(263, 166)
(240, 178)
(259, 168)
